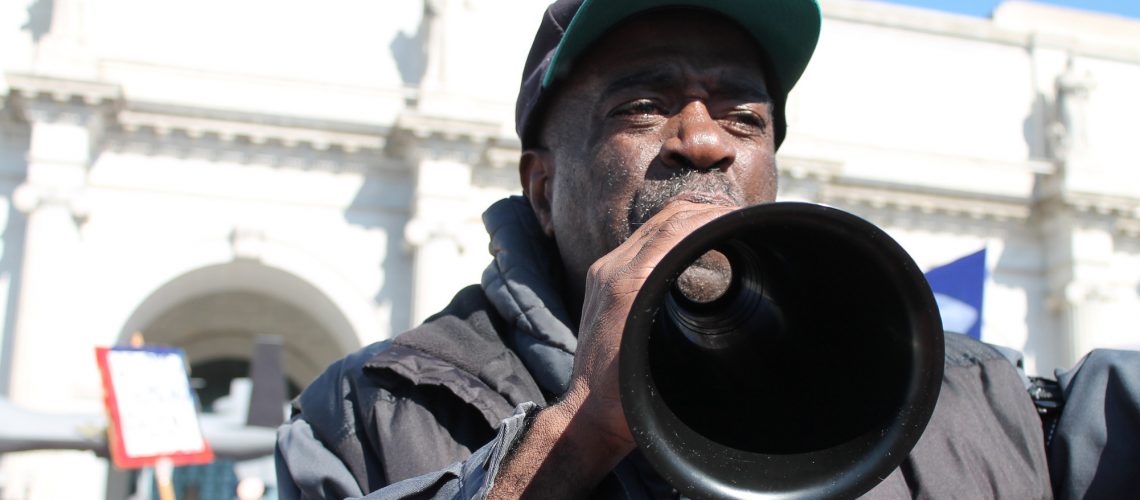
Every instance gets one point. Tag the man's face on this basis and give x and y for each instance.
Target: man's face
(672, 105)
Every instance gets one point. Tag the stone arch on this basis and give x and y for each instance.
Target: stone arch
(217, 311)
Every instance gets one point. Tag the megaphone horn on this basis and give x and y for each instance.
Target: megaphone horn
(813, 372)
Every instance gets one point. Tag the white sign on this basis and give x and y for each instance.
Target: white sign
(152, 407)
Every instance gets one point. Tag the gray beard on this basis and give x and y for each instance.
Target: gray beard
(652, 196)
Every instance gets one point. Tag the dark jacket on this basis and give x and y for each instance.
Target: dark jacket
(432, 396)
(413, 405)
(432, 413)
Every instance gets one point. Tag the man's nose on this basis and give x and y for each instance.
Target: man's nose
(697, 141)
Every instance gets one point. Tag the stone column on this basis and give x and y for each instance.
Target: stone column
(62, 137)
(1079, 250)
(434, 233)
(440, 233)
(1078, 231)
(53, 365)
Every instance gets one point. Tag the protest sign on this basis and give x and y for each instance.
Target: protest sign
(151, 407)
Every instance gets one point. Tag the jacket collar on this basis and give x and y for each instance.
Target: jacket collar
(522, 284)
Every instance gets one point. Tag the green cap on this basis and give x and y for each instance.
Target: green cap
(785, 30)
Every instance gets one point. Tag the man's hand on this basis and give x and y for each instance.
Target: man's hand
(574, 443)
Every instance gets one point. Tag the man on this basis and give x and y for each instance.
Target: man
(640, 121)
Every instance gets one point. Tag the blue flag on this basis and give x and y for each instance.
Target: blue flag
(959, 287)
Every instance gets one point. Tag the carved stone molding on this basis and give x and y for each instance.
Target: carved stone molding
(318, 137)
(1078, 293)
(812, 169)
(423, 125)
(1121, 214)
(466, 235)
(42, 99)
(1128, 227)
(1101, 204)
(27, 198)
(157, 128)
(61, 90)
(911, 199)
(500, 154)
(242, 137)
(417, 136)
(247, 243)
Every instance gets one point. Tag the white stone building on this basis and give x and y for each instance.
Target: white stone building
(205, 172)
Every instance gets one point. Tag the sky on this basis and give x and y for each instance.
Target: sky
(983, 8)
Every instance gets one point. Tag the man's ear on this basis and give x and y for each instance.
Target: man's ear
(536, 174)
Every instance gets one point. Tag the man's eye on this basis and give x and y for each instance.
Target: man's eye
(747, 120)
(638, 107)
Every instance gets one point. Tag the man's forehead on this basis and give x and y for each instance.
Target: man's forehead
(740, 81)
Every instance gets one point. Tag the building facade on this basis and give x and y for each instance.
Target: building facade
(208, 172)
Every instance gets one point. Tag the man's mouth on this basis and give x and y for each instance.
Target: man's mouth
(642, 213)
(690, 186)
(701, 198)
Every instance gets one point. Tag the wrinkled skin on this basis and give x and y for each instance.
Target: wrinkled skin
(644, 120)
(664, 125)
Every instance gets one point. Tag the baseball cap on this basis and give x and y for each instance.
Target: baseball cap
(785, 30)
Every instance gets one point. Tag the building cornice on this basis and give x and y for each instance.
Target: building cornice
(479, 143)
(1122, 213)
(926, 201)
(1102, 204)
(50, 99)
(430, 126)
(316, 136)
(93, 93)
(801, 168)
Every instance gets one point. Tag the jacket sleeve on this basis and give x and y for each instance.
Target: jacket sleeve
(308, 470)
(1095, 448)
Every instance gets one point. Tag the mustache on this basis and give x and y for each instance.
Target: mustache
(653, 195)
